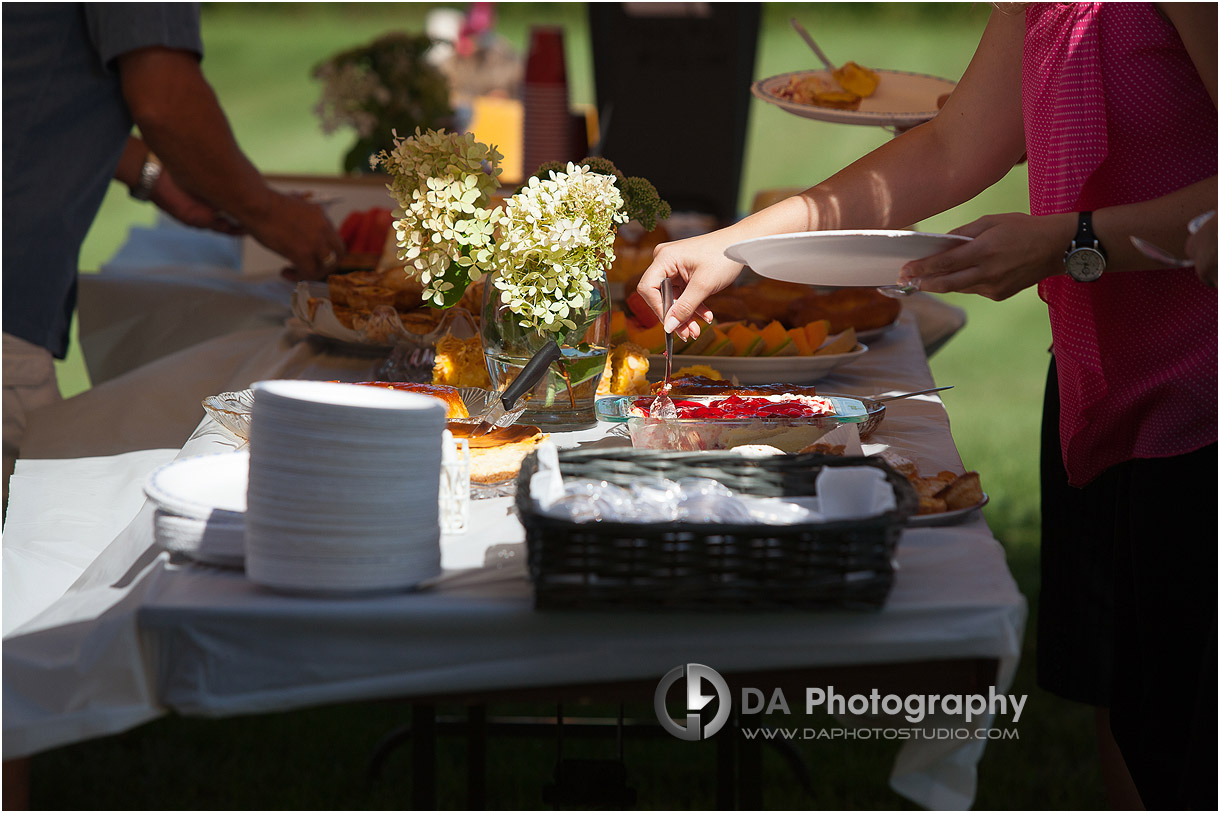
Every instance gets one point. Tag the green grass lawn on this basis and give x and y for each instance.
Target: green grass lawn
(259, 58)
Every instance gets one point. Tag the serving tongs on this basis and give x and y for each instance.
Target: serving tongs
(507, 406)
(883, 398)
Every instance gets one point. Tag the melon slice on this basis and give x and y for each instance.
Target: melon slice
(844, 342)
(816, 332)
(746, 339)
(721, 345)
(650, 338)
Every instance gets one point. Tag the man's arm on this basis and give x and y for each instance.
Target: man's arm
(181, 121)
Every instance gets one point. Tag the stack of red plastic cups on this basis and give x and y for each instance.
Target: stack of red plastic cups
(547, 121)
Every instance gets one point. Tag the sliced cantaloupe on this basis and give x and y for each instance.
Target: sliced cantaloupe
(746, 339)
(699, 346)
(844, 342)
(816, 332)
(650, 338)
(774, 336)
(618, 327)
(788, 348)
(801, 340)
(721, 345)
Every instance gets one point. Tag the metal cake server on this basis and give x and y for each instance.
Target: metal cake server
(509, 403)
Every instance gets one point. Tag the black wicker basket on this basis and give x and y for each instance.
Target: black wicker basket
(682, 565)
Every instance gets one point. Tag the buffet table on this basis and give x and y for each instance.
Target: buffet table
(103, 631)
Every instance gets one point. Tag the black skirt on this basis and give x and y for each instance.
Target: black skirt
(1127, 609)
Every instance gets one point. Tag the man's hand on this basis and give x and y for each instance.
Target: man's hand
(190, 210)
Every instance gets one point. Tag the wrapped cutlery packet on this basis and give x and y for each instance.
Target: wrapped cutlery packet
(843, 493)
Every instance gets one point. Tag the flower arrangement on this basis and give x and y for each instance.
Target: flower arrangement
(550, 242)
(375, 87)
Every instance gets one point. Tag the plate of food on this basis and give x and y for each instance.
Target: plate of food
(377, 310)
(945, 498)
(767, 369)
(871, 258)
(898, 98)
(950, 516)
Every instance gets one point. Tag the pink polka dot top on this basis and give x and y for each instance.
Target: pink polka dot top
(1116, 113)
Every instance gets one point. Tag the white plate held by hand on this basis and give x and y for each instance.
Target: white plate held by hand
(863, 258)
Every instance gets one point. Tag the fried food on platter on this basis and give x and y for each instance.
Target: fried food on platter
(963, 492)
(792, 304)
(626, 371)
(460, 363)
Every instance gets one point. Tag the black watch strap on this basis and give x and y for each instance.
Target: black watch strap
(1085, 238)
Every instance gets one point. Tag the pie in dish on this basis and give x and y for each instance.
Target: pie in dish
(455, 407)
(497, 456)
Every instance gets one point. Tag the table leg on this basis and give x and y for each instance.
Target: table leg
(726, 769)
(423, 756)
(476, 757)
(749, 779)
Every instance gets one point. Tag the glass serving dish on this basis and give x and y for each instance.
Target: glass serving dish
(788, 434)
(232, 409)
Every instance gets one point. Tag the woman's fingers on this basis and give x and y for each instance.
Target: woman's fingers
(952, 260)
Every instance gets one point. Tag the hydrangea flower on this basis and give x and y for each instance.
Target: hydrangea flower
(557, 238)
(552, 241)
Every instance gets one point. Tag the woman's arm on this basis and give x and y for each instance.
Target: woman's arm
(973, 142)
(1011, 252)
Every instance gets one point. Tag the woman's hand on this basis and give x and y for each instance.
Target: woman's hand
(698, 268)
(1009, 253)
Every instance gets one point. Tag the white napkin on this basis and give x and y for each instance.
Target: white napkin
(853, 492)
(546, 484)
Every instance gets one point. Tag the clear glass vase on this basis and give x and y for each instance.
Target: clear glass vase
(566, 394)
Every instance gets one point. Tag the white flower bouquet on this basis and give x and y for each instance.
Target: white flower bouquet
(549, 244)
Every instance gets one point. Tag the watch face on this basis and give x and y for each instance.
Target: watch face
(1085, 264)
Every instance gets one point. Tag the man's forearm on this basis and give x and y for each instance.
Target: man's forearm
(181, 121)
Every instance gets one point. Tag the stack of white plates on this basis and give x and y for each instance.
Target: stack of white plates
(200, 505)
(343, 487)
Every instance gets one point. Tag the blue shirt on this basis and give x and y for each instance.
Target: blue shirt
(65, 126)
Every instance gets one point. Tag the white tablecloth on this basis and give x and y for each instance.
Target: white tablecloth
(103, 631)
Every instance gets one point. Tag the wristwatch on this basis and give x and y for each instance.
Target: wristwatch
(149, 174)
(1085, 259)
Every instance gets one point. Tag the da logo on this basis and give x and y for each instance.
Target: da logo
(695, 675)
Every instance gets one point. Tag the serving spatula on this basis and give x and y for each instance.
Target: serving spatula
(509, 404)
